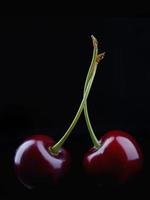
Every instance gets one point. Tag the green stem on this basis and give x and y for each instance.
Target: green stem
(55, 149)
(89, 126)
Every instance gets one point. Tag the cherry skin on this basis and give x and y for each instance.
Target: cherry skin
(119, 158)
(35, 164)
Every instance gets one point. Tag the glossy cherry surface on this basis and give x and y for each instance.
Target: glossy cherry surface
(35, 164)
(118, 158)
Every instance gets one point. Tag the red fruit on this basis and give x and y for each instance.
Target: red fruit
(35, 163)
(118, 158)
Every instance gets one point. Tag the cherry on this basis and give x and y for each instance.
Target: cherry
(39, 158)
(118, 157)
(35, 163)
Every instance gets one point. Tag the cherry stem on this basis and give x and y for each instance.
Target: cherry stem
(55, 149)
(86, 114)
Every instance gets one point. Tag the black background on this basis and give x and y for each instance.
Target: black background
(43, 65)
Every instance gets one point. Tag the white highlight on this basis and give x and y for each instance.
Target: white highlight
(129, 148)
(53, 161)
(102, 149)
(21, 151)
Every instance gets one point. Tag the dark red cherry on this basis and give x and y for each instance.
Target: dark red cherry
(35, 164)
(118, 158)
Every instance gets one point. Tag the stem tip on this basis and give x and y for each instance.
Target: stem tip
(94, 40)
(100, 57)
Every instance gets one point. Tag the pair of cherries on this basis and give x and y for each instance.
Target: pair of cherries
(116, 155)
